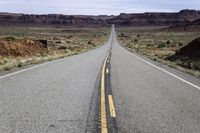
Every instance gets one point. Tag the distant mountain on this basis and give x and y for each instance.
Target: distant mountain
(55, 19)
(136, 19)
(156, 19)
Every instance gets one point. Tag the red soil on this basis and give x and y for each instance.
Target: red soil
(21, 47)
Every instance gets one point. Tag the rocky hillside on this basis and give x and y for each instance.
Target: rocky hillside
(192, 50)
(188, 56)
(135, 19)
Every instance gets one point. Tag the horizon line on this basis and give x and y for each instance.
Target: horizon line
(23, 13)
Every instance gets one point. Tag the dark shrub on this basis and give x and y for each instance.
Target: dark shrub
(162, 45)
(10, 38)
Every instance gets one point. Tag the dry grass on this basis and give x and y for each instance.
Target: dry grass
(62, 42)
(157, 44)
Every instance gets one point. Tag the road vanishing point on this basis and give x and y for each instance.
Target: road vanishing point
(106, 90)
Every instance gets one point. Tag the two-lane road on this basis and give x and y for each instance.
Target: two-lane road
(63, 96)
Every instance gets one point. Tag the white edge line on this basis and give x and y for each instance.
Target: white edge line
(23, 70)
(165, 71)
(161, 69)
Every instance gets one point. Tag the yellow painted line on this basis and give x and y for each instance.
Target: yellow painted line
(111, 106)
(104, 128)
(107, 70)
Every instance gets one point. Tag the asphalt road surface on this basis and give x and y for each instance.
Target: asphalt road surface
(52, 98)
(152, 98)
(63, 96)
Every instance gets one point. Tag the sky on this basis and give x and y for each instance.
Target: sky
(95, 7)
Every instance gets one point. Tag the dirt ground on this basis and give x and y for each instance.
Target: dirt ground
(160, 44)
(25, 45)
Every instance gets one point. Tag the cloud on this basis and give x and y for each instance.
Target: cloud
(95, 7)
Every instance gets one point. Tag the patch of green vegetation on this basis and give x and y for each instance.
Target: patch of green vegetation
(168, 42)
(44, 54)
(7, 68)
(20, 64)
(89, 42)
(180, 44)
(10, 38)
(136, 40)
(162, 45)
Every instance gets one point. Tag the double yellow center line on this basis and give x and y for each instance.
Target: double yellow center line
(104, 126)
